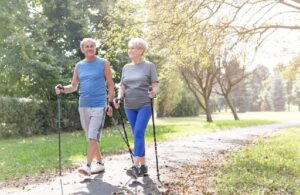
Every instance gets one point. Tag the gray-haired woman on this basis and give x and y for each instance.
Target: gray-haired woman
(137, 77)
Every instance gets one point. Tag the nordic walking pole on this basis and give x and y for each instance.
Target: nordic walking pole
(59, 129)
(154, 136)
(125, 133)
(124, 137)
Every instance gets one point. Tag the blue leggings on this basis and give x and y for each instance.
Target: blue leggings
(138, 119)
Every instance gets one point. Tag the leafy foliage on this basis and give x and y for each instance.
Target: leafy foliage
(187, 106)
(24, 117)
(277, 94)
(41, 43)
(122, 22)
(255, 85)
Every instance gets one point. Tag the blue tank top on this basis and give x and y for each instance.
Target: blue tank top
(92, 83)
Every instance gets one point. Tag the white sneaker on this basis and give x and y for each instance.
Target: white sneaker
(85, 170)
(97, 168)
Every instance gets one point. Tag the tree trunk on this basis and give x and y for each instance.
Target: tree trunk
(207, 111)
(208, 116)
(160, 112)
(231, 108)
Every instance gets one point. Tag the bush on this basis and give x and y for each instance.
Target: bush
(25, 117)
(188, 106)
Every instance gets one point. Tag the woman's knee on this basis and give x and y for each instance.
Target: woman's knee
(139, 135)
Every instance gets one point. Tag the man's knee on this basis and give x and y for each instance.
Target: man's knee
(94, 141)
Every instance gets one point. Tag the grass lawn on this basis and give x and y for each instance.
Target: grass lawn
(272, 166)
(28, 156)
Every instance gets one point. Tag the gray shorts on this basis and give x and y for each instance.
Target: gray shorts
(92, 121)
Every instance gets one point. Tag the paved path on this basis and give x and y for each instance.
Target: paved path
(172, 154)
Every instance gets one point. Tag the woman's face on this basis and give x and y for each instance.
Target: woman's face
(135, 51)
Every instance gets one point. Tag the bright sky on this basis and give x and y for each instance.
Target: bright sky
(281, 47)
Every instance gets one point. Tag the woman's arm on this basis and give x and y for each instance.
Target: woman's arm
(121, 94)
(155, 89)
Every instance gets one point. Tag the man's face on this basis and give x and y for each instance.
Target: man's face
(89, 49)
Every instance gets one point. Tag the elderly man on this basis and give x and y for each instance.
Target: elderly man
(92, 73)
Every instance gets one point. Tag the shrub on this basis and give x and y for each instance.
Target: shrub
(25, 117)
(188, 106)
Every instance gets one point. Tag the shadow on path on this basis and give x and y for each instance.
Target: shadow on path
(96, 185)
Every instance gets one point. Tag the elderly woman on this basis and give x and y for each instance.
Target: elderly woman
(137, 77)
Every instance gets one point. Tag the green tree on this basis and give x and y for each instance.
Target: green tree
(232, 74)
(290, 76)
(170, 94)
(240, 97)
(255, 86)
(266, 101)
(16, 49)
(187, 106)
(296, 92)
(41, 43)
(277, 94)
(122, 22)
(191, 47)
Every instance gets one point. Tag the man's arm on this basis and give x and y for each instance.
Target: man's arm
(110, 82)
(71, 87)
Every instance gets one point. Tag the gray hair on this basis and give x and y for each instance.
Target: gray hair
(138, 42)
(86, 40)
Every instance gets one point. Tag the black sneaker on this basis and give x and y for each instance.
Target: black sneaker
(143, 171)
(133, 171)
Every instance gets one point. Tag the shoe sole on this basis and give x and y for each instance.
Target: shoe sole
(136, 176)
(97, 172)
(84, 172)
(131, 175)
(143, 175)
